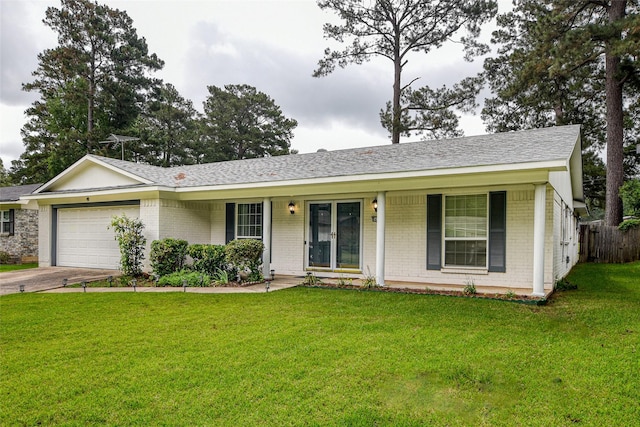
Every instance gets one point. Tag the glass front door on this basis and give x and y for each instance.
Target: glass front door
(334, 235)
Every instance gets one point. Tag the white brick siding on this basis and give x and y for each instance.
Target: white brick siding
(287, 243)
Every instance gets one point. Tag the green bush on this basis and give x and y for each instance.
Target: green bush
(628, 224)
(131, 242)
(168, 255)
(208, 259)
(630, 195)
(246, 256)
(4, 257)
(177, 278)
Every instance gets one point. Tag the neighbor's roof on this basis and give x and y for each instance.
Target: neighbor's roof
(12, 194)
(509, 148)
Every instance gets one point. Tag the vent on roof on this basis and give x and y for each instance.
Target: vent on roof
(321, 150)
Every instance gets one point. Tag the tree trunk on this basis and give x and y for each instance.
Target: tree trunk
(395, 133)
(615, 153)
(91, 106)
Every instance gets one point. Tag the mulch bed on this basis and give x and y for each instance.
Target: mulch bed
(522, 299)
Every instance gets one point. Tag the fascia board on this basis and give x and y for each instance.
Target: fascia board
(152, 191)
(557, 165)
(83, 160)
(576, 168)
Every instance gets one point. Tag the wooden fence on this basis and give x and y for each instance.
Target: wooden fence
(607, 244)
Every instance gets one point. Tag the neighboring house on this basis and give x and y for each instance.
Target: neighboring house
(499, 210)
(19, 223)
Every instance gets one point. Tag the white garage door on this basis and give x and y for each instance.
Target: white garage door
(83, 237)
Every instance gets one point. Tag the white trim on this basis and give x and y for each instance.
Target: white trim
(333, 267)
(266, 237)
(380, 237)
(484, 239)
(557, 165)
(539, 214)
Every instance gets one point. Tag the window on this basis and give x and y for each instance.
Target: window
(465, 230)
(6, 222)
(249, 225)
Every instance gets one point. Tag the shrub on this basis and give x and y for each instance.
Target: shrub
(564, 285)
(4, 257)
(221, 278)
(168, 255)
(311, 279)
(246, 256)
(369, 280)
(177, 278)
(469, 287)
(630, 195)
(208, 259)
(131, 241)
(628, 224)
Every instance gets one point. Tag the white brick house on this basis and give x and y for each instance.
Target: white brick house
(500, 209)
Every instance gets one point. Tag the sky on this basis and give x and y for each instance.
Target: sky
(273, 45)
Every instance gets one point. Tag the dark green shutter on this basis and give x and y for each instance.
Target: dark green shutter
(12, 222)
(230, 222)
(497, 231)
(434, 232)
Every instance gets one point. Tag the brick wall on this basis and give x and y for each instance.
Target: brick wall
(406, 242)
(185, 220)
(23, 245)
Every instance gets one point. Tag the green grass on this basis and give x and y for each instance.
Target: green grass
(324, 357)
(13, 267)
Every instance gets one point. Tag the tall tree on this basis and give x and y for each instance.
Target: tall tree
(167, 129)
(393, 29)
(92, 84)
(566, 61)
(5, 179)
(241, 123)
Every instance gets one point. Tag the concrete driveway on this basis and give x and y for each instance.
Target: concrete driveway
(44, 278)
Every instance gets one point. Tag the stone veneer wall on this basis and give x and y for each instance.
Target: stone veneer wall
(24, 243)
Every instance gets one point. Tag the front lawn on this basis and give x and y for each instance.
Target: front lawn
(324, 357)
(13, 267)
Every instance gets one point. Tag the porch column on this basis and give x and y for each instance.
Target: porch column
(380, 234)
(266, 237)
(539, 213)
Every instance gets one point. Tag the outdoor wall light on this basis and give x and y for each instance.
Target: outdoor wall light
(375, 204)
(292, 208)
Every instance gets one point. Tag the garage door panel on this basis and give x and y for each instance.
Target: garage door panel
(84, 239)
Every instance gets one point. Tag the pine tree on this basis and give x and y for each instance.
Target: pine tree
(393, 29)
(557, 65)
(92, 84)
(242, 123)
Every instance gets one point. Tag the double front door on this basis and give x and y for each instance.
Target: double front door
(334, 235)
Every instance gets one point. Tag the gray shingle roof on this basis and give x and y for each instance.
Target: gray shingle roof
(12, 194)
(536, 145)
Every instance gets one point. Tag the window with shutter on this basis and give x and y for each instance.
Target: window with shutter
(467, 231)
(7, 222)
